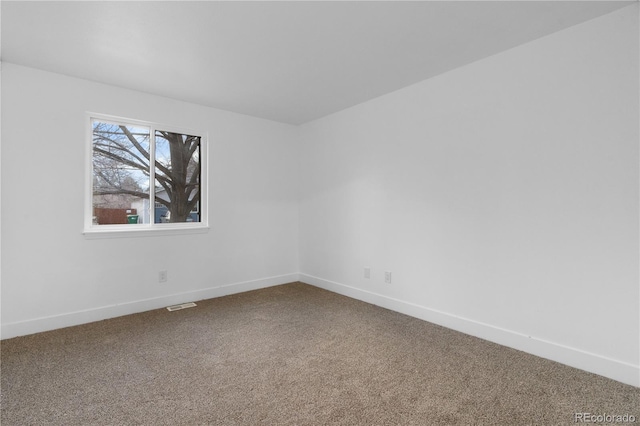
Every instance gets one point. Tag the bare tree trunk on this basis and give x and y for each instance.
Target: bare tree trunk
(180, 157)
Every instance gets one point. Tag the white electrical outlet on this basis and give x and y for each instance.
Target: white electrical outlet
(367, 273)
(162, 276)
(387, 277)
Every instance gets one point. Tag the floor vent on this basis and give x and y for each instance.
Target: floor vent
(180, 306)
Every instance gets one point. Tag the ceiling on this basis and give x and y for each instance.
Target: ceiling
(286, 61)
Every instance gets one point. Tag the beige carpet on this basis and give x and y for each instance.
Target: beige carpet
(288, 355)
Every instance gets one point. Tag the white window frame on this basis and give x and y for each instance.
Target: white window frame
(144, 229)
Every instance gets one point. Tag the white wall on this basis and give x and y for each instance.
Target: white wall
(503, 196)
(52, 276)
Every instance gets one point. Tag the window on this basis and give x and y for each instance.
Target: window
(144, 176)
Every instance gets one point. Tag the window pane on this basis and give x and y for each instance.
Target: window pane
(120, 174)
(177, 174)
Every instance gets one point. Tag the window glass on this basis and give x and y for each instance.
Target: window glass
(126, 158)
(177, 189)
(120, 173)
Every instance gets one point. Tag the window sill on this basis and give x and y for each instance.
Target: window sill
(135, 231)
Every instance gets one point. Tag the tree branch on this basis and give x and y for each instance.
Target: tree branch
(135, 142)
(120, 159)
(162, 168)
(121, 191)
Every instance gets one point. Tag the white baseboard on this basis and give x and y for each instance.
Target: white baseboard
(593, 363)
(38, 325)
